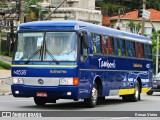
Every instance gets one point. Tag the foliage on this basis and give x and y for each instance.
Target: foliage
(108, 8)
(5, 65)
(132, 25)
(33, 13)
(4, 50)
(154, 42)
(153, 4)
(5, 3)
(111, 7)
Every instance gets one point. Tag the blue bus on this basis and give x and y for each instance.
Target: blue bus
(79, 60)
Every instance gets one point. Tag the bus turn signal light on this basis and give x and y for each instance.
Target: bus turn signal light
(75, 81)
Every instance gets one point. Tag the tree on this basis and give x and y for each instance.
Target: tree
(5, 3)
(33, 13)
(108, 8)
(111, 7)
(154, 42)
(134, 27)
(154, 46)
(153, 4)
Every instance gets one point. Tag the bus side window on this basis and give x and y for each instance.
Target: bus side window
(141, 50)
(128, 47)
(116, 48)
(133, 49)
(96, 43)
(104, 44)
(93, 43)
(145, 51)
(122, 47)
(137, 50)
(110, 45)
(149, 51)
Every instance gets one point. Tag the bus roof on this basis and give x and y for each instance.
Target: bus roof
(77, 25)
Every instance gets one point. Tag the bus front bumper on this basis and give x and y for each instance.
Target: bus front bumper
(57, 92)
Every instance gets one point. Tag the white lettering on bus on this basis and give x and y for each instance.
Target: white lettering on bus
(106, 63)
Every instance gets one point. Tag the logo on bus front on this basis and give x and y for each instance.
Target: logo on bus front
(106, 64)
(40, 81)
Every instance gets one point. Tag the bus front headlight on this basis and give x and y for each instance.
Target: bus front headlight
(66, 81)
(16, 80)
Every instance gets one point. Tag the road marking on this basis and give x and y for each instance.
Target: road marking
(16, 101)
(121, 118)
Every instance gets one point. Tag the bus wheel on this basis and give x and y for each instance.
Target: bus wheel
(91, 102)
(40, 101)
(149, 93)
(136, 96)
(125, 98)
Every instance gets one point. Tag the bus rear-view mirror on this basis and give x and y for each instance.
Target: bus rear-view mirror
(85, 41)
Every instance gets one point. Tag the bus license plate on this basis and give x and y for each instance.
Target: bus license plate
(41, 94)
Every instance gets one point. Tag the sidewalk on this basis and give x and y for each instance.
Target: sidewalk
(5, 82)
(6, 59)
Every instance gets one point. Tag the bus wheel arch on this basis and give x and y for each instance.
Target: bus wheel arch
(136, 95)
(98, 81)
(99, 85)
(96, 92)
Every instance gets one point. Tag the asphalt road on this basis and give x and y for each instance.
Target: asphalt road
(112, 105)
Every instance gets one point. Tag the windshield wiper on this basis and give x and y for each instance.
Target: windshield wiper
(33, 56)
(50, 54)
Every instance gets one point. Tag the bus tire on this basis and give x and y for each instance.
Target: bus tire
(136, 96)
(100, 100)
(149, 93)
(126, 98)
(40, 101)
(92, 101)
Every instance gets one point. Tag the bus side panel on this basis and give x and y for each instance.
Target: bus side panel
(85, 83)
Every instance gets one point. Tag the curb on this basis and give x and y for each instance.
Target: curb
(6, 94)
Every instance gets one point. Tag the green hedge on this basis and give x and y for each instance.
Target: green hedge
(5, 65)
(4, 50)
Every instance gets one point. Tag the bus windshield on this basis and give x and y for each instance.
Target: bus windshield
(46, 46)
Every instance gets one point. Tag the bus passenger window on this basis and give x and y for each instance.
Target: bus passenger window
(141, 50)
(146, 51)
(137, 50)
(116, 46)
(110, 45)
(96, 43)
(128, 47)
(149, 51)
(104, 44)
(133, 49)
(122, 47)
